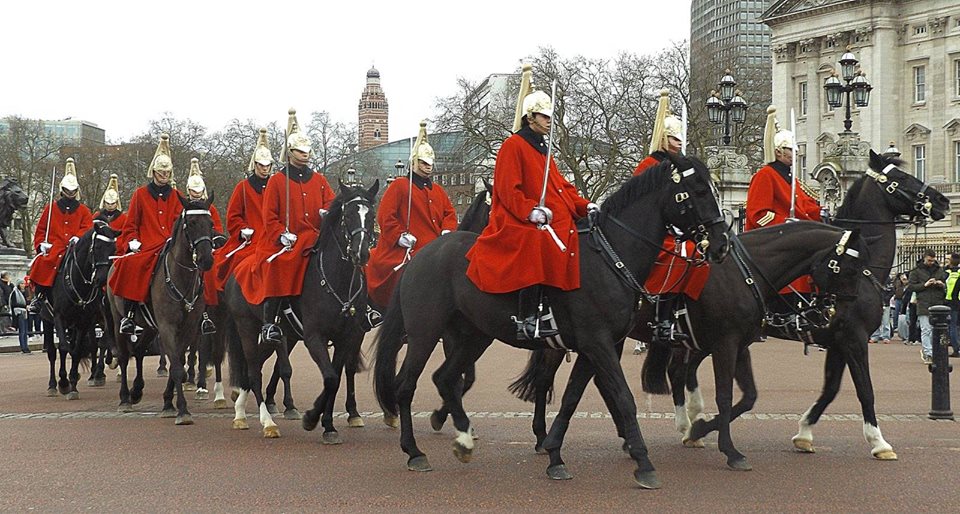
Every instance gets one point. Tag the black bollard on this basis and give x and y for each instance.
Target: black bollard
(941, 367)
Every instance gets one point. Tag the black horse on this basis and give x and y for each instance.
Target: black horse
(74, 306)
(334, 296)
(174, 305)
(435, 298)
(876, 203)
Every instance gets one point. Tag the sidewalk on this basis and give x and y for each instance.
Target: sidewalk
(10, 342)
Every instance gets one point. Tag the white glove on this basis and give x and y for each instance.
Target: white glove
(592, 208)
(134, 245)
(540, 215)
(288, 239)
(407, 240)
(323, 212)
(246, 233)
(73, 240)
(444, 232)
(45, 248)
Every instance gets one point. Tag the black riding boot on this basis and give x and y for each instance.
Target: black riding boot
(530, 321)
(38, 299)
(664, 330)
(270, 333)
(127, 325)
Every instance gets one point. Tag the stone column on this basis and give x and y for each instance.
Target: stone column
(844, 161)
(732, 177)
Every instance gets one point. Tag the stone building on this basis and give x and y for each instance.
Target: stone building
(373, 113)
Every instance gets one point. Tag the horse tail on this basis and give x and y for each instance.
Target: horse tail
(238, 363)
(654, 371)
(387, 346)
(525, 386)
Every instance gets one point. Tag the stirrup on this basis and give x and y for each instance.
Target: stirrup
(665, 332)
(206, 325)
(35, 303)
(373, 319)
(527, 329)
(270, 333)
(127, 325)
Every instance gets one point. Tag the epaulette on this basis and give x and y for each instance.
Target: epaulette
(809, 190)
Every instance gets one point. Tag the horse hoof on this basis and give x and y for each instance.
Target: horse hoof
(234, 394)
(558, 472)
(113, 364)
(91, 383)
(437, 420)
(355, 422)
(419, 463)
(168, 413)
(162, 372)
(125, 407)
(201, 394)
(293, 414)
(331, 438)
(186, 419)
(240, 424)
(739, 464)
(272, 409)
(692, 443)
(391, 421)
(73, 395)
(271, 432)
(462, 453)
(63, 390)
(99, 382)
(540, 450)
(310, 421)
(804, 446)
(189, 386)
(646, 479)
(52, 392)
(886, 455)
(220, 404)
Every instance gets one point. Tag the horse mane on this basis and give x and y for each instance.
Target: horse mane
(474, 212)
(650, 180)
(852, 197)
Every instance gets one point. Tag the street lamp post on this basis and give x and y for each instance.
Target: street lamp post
(726, 105)
(856, 84)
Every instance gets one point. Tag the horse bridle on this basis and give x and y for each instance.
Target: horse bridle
(922, 206)
(197, 288)
(79, 299)
(347, 306)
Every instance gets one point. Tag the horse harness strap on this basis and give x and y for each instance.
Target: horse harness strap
(740, 256)
(347, 307)
(70, 263)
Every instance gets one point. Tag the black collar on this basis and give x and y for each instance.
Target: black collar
(422, 182)
(660, 155)
(298, 175)
(258, 184)
(68, 205)
(158, 192)
(535, 140)
(783, 170)
(109, 216)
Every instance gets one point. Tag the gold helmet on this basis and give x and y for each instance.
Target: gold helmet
(112, 194)
(261, 153)
(195, 179)
(161, 158)
(774, 139)
(69, 181)
(527, 103)
(296, 140)
(422, 149)
(665, 124)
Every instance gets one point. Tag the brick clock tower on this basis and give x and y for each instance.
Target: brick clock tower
(373, 112)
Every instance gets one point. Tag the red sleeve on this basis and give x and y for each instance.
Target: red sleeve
(328, 194)
(571, 191)
(131, 228)
(217, 220)
(508, 180)
(450, 221)
(647, 162)
(86, 220)
(760, 200)
(40, 234)
(390, 215)
(272, 217)
(236, 215)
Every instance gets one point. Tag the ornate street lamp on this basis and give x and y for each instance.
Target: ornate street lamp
(726, 105)
(399, 165)
(856, 83)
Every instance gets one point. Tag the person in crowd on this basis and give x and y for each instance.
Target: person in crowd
(928, 279)
(17, 301)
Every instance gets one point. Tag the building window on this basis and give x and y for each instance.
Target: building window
(919, 161)
(802, 161)
(831, 43)
(956, 161)
(956, 77)
(919, 29)
(919, 84)
(803, 99)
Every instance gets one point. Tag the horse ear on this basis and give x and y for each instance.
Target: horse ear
(183, 201)
(374, 188)
(210, 199)
(487, 185)
(875, 161)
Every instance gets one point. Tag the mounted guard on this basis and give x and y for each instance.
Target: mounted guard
(111, 212)
(197, 190)
(531, 240)
(294, 203)
(61, 224)
(413, 212)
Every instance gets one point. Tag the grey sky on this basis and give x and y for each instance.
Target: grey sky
(122, 63)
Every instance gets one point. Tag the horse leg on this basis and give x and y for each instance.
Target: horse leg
(418, 352)
(51, 351)
(724, 367)
(744, 379)
(125, 404)
(203, 360)
(177, 376)
(552, 360)
(162, 367)
(74, 375)
(271, 391)
(63, 384)
(136, 394)
(190, 376)
(464, 349)
(577, 383)
(439, 416)
(256, 356)
(833, 367)
(286, 373)
(219, 401)
(354, 420)
(686, 386)
(317, 347)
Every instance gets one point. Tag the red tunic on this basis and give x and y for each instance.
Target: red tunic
(648, 161)
(63, 226)
(149, 220)
(245, 210)
(768, 203)
(259, 279)
(210, 276)
(431, 213)
(512, 253)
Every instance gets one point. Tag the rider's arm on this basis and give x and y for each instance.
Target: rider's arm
(508, 180)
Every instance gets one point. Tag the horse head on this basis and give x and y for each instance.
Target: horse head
(906, 194)
(695, 209)
(356, 220)
(836, 271)
(103, 244)
(196, 224)
(477, 216)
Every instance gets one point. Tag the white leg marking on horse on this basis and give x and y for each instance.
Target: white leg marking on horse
(875, 439)
(465, 439)
(695, 404)
(805, 433)
(240, 406)
(266, 420)
(681, 420)
(218, 391)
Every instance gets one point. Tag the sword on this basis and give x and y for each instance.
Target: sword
(793, 167)
(53, 179)
(286, 161)
(546, 167)
(683, 122)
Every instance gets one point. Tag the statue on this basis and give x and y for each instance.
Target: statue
(12, 199)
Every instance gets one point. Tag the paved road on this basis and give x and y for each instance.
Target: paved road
(78, 455)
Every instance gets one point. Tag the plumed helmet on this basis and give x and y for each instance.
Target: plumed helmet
(261, 153)
(783, 139)
(769, 133)
(161, 158)
(112, 193)
(69, 181)
(295, 139)
(422, 149)
(525, 88)
(672, 126)
(195, 179)
(658, 140)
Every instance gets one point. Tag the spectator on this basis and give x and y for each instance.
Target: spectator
(18, 309)
(34, 318)
(6, 287)
(953, 301)
(882, 333)
(899, 286)
(927, 279)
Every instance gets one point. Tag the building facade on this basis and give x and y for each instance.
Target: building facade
(910, 53)
(373, 113)
(70, 131)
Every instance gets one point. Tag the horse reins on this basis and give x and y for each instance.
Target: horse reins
(347, 306)
(197, 287)
(77, 298)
